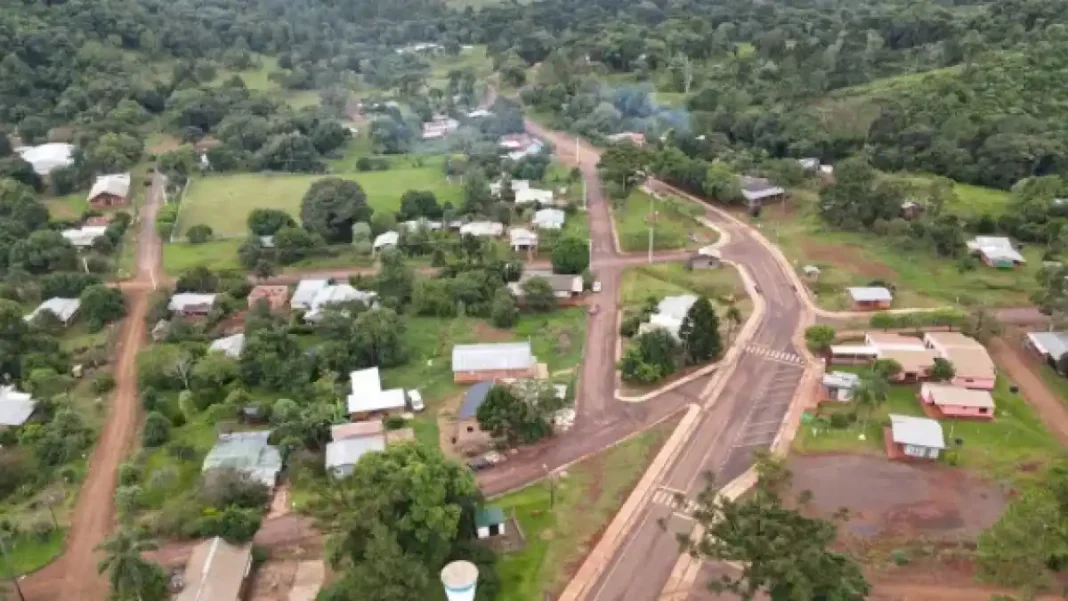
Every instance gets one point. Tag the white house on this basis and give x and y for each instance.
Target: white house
(520, 238)
(368, 398)
(839, 385)
(115, 185)
(343, 455)
(669, 314)
(533, 196)
(386, 240)
(996, 251)
(84, 236)
(336, 294)
(46, 158)
(482, 229)
(305, 293)
(550, 219)
(63, 308)
(190, 303)
(15, 407)
(231, 346)
(917, 437)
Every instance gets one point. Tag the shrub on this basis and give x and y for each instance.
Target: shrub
(630, 325)
(233, 523)
(103, 382)
(129, 473)
(394, 422)
(226, 487)
(841, 421)
(157, 430)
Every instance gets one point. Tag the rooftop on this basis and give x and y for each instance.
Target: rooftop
(485, 229)
(84, 236)
(247, 452)
(492, 356)
(231, 346)
(184, 301)
(115, 184)
(971, 362)
(47, 157)
(354, 429)
(473, 399)
(550, 218)
(995, 248)
(306, 291)
(386, 239)
(216, 571)
(944, 394)
(1053, 344)
(758, 188)
(488, 515)
(910, 361)
(63, 308)
(917, 431)
(870, 294)
(15, 407)
(367, 394)
(676, 306)
(348, 451)
(840, 379)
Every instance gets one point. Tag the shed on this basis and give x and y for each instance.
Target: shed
(550, 219)
(839, 385)
(870, 297)
(191, 303)
(489, 521)
(490, 361)
(15, 407)
(386, 240)
(63, 308)
(343, 455)
(917, 437)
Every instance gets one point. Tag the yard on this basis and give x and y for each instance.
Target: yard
(855, 259)
(224, 201)
(1014, 443)
(674, 226)
(668, 279)
(560, 534)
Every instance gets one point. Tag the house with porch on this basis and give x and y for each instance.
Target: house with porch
(954, 401)
(914, 438)
(870, 298)
(110, 191)
(758, 191)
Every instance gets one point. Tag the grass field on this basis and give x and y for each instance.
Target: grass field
(921, 278)
(217, 255)
(1002, 448)
(667, 279)
(560, 535)
(971, 200)
(672, 228)
(224, 201)
(27, 552)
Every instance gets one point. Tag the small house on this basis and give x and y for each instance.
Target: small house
(306, 292)
(954, 401)
(343, 455)
(489, 521)
(83, 237)
(996, 251)
(564, 286)
(972, 365)
(914, 437)
(1051, 346)
(15, 407)
(439, 127)
(839, 385)
(110, 191)
(520, 238)
(191, 303)
(889, 341)
(758, 192)
(915, 365)
(216, 571)
(482, 229)
(492, 361)
(468, 437)
(550, 219)
(249, 454)
(367, 398)
(669, 314)
(809, 164)
(706, 257)
(385, 240)
(336, 294)
(63, 308)
(635, 138)
(811, 272)
(276, 297)
(533, 196)
(870, 298)
(231, 346)
(415, 225)
(853, 354)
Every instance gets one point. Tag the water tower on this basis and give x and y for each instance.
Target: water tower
(460, 578)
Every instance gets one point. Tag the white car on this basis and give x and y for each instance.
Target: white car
(596, 287)
(416, 401)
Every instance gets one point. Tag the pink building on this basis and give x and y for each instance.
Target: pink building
(954, 401)
(972, 365)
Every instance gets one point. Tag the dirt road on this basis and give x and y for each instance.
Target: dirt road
(74, 575)
(1024, 373)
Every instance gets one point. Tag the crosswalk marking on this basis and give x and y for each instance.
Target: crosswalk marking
(774, 355)
(669, 498)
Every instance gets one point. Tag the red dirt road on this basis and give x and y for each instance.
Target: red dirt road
(1023, 371)
(74, 575)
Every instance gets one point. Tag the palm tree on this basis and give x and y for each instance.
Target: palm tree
(734, 319)
(128, 573)
(870, 392)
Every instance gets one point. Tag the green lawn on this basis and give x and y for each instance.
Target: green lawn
(1056, 382)
(217, 255)
(667, 279)
(971, 200)
(224, 201)
(1000, 448)
(672, 227)
(27, 552)
(70, 206)
(559, 536)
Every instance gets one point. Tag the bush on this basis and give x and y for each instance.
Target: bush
(226, 487)
(157, 430)
(103, 382)
(393, 422)
(182, 451)
(840, 421)
(630, 326)
(233, 523)
(129, 473)
(900, 557)
(199, 234)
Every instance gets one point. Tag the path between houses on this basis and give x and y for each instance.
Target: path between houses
(1050, 407)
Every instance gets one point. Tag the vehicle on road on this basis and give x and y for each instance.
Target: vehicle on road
(596, 287)
(493, 457)
(758, 290)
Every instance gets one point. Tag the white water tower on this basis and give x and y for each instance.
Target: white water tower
(460, 579)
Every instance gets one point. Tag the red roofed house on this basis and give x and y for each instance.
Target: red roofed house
(110, 190)
(276, 296)
(954, 401)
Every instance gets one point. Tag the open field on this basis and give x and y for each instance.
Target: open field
(1012, 445)
(855, 259)
(216, 255)
(224, 201)
(674, 226)
(971, 200)
(667, 279)
(558, 536)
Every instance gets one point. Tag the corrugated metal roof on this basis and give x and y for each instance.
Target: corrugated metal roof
(676, 307)
(231, 346)
(1053, 344)
(15, 407)
(489, 515)
(63, 308)
(492, 356)
(473, 399)
(187, 300)
(840, 379)
(870, 294)
(305, 293)
(347, 451)
(115, 184)
(917, 431)
(386, 239)
(216, 571)
(247, 452)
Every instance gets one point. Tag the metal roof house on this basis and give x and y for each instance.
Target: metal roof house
(489, 521)
(870, 297)
(386, 240)
(63, 308)
(336, 294)
(83, 237)
(482, 229)
(839, 385)
(758, 191)
(231, 346)
(996, 251)
(550, 219)
(343, 455)
(916, 437)
(248, 453)
(492, 361)
(520, 238)
(367, 397)
(1050, 345)
(670, 313)
(528, 196)
(15, 407)
(191, 303)
(564, 286)
(305, 293)
(216, 571)
(110, 190)
(46, 158)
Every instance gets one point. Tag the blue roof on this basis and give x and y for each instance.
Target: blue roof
(474, 399)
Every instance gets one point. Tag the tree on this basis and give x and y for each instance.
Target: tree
(157, 429)
(570, 256)
(377, 339)
(538, 294)
(655, 356)
(504, 313)
(419, 203)
(870, 392)
(43, 251)
(625, 165)
(101, 305)
(331, 206)
(267, 222)
(290, 152)
(199, 233)
(477, 197)
(518, 418)
(781, 553)
(699, 333)
(734, 319)
(819, 337)
(131, 577)
(942, 371)
(395, 279)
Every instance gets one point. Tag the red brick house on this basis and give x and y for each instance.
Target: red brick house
(110, 191)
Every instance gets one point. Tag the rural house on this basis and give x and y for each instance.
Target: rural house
(63, 308)
(248, 453)
(869, 298)
(758, 191)
(670, 313)
(492, 361)
(415, 225)
(216, 571)
(336, 294)
(915, 365)
(520, 146)
(914, 437)
(385, 240)
(489, 521)
(305, 293)
(550, 219)
(838, 385)
(83, 237)
(533, 196)
(468, 437)
(996, 251)
(635, 138)
(954, 401)
(889, 341)
(972, 365)
(110, 191)
(564, 286)
(439, 127)
(809, 164)
(275, 297)
(367, 398)
(520, 238)
(231, 346)
(15, 407)
(343, 454)
(191, 303)
(1051, 346)
(482, 229)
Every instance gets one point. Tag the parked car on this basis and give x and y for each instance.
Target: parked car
(596, 287)
(416, 400)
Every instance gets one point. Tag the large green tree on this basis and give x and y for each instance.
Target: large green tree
(331, 206)
(699, 333)
(131, 577)
(571, 255)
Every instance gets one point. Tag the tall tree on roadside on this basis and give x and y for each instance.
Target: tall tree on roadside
(570, 256)
(624, 164)
(131, 577)
(699, 333)
(782, 553)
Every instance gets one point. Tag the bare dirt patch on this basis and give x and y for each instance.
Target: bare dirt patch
(165, 144)
(487, 333)
(895, 498)
(273, 580)
(845, 258)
